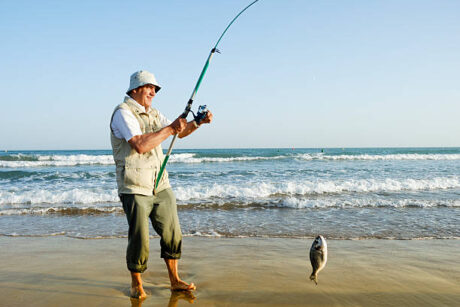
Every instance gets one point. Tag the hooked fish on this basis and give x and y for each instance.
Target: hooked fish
(318, 257)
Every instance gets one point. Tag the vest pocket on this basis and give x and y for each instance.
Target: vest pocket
(139, 174)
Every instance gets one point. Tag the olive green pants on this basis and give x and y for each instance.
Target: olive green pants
(161, 209)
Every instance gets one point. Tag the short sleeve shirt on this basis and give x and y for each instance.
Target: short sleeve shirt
(125, 125)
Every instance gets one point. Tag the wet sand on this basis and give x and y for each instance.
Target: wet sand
(60, 271)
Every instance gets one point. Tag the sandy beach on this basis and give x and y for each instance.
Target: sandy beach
(62, 271)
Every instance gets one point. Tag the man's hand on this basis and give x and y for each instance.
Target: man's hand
(178, 125)
(192, 126)
(207, 119)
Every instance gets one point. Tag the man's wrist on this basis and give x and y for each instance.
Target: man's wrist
(195, 124)
(171, 130)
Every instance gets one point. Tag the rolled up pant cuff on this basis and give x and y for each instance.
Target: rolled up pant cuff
(170, 255)
(137, 268)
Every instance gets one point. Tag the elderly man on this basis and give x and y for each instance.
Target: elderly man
(137, 131)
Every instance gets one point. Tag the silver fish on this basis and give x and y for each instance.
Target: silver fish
(318, 257)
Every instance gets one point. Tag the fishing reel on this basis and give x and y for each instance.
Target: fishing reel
(201, 114)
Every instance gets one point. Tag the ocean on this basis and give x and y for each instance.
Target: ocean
(341, 193)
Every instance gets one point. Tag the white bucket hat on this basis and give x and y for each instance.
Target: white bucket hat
(140, 78)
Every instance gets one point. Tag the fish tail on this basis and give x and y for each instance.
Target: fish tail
(314, 278)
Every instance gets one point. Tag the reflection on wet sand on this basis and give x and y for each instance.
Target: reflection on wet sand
(173, 300)
(135, 302)
(238, 272)
(181, 295)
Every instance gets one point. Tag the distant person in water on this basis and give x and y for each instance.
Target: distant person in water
(137, 131)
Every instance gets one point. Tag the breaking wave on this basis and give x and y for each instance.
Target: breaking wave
(297, 203)
(290, 188)
(263, 192)
(56, 160)
(381, 157)
(192, 158)
(63, 210)
(73, 196)
(34, 160)
(290, 203)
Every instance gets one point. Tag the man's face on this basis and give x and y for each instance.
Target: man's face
(144, 95)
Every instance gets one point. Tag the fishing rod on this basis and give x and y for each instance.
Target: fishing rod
(188, 107)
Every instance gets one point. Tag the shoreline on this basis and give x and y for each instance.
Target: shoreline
(236, 237)
(52, 271)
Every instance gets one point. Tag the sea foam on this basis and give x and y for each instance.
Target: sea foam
(266, 189)
(25, 161)
(72, 196)
(381, 157)
(370, 202)
(230, 192)
(60, 160)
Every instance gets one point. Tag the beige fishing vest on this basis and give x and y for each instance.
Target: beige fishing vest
(136, 173)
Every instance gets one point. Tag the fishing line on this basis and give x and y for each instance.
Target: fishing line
(195, 90)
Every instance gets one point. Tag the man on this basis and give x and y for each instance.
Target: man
(137, 131)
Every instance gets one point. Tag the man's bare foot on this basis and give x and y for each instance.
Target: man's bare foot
(138, 292)
(181, 285)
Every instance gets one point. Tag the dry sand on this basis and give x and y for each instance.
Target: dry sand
(61, 271)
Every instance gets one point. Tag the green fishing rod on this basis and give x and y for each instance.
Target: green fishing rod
(188, 107)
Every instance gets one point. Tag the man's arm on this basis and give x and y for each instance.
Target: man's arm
(146, 142)
(188, 129)
(191, 126)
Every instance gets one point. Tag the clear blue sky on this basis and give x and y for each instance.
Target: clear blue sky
(291, 73)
